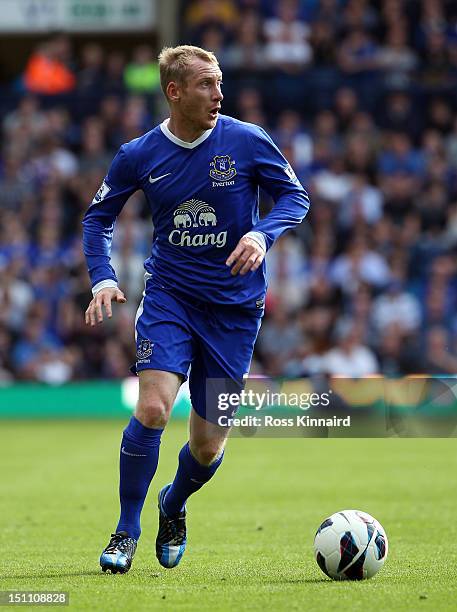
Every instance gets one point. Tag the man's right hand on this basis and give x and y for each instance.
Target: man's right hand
(103, 298)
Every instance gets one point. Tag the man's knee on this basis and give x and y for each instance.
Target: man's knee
(207, 452)
(153, 412)
(156, 397)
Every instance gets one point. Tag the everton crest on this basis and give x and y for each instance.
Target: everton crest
(144, 349)
(222, 168)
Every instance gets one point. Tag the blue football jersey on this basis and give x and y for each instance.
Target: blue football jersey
(203, 197)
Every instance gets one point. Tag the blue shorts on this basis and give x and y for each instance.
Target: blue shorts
(176, 334)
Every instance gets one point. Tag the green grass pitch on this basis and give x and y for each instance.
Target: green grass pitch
(250, 530)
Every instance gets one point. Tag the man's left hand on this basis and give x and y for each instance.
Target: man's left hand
(247, 256)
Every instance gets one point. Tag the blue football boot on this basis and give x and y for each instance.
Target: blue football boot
(171, 537)
(118, 555)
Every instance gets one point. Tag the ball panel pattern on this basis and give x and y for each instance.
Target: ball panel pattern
(356, 570)
(325, 524)
(348, 550)
(321, 563)
(380, 543)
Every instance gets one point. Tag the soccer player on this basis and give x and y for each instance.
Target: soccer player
(204, 283)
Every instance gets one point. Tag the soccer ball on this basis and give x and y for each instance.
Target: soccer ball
(350, 545)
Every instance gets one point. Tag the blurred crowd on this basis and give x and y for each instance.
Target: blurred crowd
(361, 98)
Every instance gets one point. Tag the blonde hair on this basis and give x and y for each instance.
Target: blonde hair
(174, 63)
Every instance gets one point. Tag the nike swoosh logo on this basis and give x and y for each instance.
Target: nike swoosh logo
(124, 452)
(154, 180)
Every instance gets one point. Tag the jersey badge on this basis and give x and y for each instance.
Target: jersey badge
(101, 193)
(144, 349)
(290, 173)
(222, 170)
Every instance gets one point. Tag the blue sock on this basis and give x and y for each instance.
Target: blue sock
(190, 477)
(138, 463)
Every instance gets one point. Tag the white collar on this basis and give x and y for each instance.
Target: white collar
(183, 143)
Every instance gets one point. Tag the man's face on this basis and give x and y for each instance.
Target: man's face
(200, 95)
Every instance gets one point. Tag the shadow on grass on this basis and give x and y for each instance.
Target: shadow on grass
(99, 573)
(299, 581)
(32, 576)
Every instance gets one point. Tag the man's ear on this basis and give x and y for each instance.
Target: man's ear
(173, 91)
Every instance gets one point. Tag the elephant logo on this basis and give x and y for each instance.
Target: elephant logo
(182, 219)
(194, 213)
(207, 218)
(222, 168)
